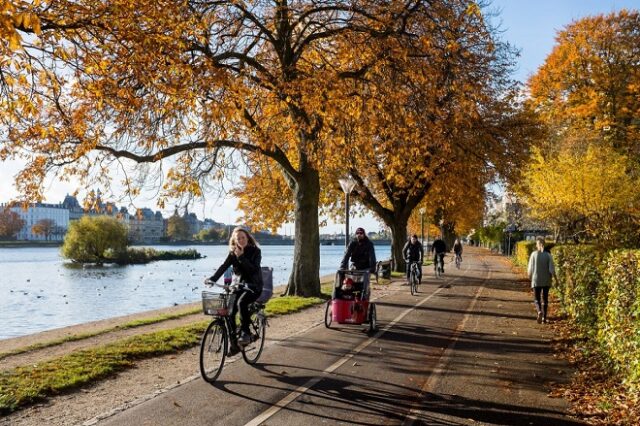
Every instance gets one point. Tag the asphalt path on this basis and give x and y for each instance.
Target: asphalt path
(465, 350)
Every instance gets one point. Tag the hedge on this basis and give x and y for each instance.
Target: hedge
(579, 274)
(600, 291)
(523, 251)
(619, 329)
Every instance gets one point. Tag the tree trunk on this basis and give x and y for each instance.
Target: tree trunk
(305, 275)
(398, 240)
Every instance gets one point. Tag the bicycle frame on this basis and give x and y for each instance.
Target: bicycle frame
(224, 323)
(415, 267)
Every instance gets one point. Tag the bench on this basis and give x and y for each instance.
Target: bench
(383, 269)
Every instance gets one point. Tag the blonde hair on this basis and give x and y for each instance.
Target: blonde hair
(250, 240)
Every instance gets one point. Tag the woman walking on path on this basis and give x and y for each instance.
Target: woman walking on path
(541, 270)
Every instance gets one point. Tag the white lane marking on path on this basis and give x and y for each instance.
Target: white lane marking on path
(438, 371)
(304, 388)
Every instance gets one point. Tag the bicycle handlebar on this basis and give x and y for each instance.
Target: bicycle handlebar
(229, 287)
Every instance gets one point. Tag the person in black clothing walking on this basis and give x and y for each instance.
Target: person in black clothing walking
(413, 252)
(362, 253)
(245, 257)
(439, 248)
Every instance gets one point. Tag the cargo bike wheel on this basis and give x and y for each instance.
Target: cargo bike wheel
(328, 315)
(372, 318)
(213, 350)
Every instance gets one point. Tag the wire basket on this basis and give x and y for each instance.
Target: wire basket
(217, 304)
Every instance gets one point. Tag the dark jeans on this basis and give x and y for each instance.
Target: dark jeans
(541, 305)
(244, 298)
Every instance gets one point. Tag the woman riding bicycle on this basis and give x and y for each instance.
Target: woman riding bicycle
(245, 257)
(413, 252)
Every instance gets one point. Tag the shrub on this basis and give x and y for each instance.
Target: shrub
(523, 251)
(619, 329)
(94, 239)
(146, 255)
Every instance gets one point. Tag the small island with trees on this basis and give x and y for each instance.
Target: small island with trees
(102, 239)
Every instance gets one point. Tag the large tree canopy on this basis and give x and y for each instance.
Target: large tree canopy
(437, 117)
(588, 89)
(109, 81)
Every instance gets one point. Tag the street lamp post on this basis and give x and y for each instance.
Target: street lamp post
(422, 212)
(347, 184)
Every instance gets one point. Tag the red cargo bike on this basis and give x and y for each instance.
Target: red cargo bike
(349, 302)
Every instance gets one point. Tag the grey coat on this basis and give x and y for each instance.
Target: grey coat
(541, 269)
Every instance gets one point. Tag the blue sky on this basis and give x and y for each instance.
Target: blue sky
(530, 25)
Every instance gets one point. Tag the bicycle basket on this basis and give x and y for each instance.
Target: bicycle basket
(217, 304)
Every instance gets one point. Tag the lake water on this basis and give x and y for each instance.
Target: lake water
(40, 291)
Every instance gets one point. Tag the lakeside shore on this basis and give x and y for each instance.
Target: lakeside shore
(13, 343)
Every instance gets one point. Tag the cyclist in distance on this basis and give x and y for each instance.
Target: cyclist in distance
(413, 252)
(457, 249)
(245, 257)
(439, 248)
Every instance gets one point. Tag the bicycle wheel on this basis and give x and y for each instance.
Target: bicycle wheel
(252, 351)
(213, 350)
(328, 315)
(373, 319)
(414, 281)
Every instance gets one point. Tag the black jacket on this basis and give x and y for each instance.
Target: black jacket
(247, 266)
(439, 246)
(362, 254)
(457, 248)
(414, 252)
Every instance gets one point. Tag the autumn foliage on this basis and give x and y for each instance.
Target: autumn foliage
(10, 223)
(583, 178)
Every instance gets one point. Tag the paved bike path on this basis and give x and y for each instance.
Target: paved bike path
(465, 350)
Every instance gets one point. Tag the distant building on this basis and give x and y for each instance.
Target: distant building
(192, 221)
(40, 211)
(145, 226)
(75, 209)
(210, 224)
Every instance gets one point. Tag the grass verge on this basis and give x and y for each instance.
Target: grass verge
(28, 384)
(76, 337)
